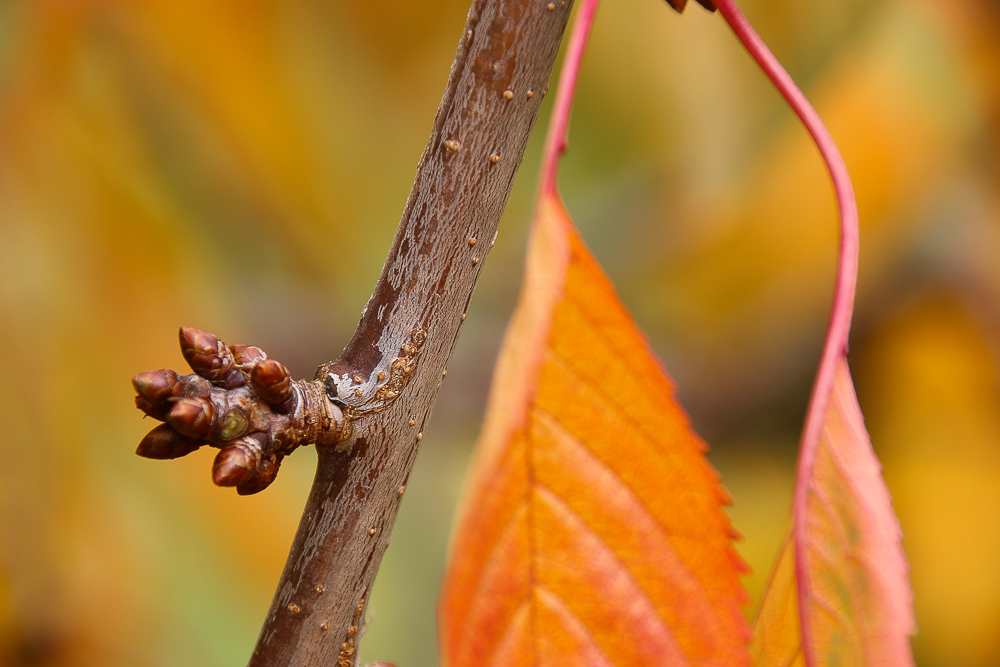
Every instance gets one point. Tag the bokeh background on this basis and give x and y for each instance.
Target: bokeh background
(240, 166)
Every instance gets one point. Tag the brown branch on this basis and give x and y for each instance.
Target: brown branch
(365, 411)
(389, 375)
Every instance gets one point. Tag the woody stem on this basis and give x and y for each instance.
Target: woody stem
(498, 80)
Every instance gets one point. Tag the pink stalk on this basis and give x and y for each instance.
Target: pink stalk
(843, 298)
(557, 138)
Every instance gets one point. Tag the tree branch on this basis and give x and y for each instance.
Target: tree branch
(389, 375)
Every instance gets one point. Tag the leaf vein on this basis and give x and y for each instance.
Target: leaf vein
(610, 405)
(558, 501)
(490, 566)
(656, 446)
(565, 613)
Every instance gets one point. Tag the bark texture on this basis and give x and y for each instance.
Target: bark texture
(389, 375)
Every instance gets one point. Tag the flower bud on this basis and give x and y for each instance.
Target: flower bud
(272, 383)
(154, 390)
(265, 473)
(206, 354)
(246, 355)
(164, 442)
(194, 386)
(233, 378)
(193, 417)
(232, 466)
(236, 463)
(680, 4)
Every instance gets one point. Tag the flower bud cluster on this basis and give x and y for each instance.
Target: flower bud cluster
(237, 400)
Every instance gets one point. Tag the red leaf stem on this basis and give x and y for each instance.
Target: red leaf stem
(557, 138)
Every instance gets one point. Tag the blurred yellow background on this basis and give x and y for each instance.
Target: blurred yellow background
(240, 166)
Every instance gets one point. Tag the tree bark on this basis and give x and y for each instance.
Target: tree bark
(409, 328)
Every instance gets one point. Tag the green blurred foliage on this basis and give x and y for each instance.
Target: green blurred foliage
(239, 166)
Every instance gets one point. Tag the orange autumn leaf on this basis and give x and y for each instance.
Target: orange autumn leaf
(776, 638)
(856, 599)
(593, 530)
(840, 594)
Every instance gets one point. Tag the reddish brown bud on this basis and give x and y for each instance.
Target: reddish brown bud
(232, 467)
(164, 442)
(272, 383)
(265, 473)
(194, 386)
(193, 417)
(233, 378)
(154, 390)
(206, 354)
(680, 4)
(236, 463)
(246, 356)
